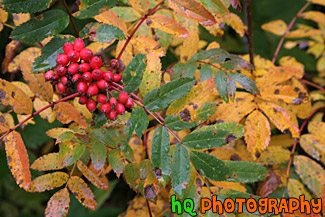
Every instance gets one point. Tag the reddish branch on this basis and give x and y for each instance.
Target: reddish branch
(287, 31)
(296, 142)
(148, 205)
(250, 31)
(37, 112)
(137, 27)
(70, 16)
(312, 84)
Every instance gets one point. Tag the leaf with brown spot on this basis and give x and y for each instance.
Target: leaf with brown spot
(11, 50)
(10, 95)
(144, 44)
(257, 132)
(291, 62)
(82, 109)
(24, 87)
(296, 188)
(17, 159)
(268, 186)
(190, 45)
(46, 114)
(48, 182)
(39, 86)
(277, 27)
(136, 145)
(99, 182)
(58, 205)
(20, 18)
(82, 192)
(24, 60)
(317, 128)
(47, 162)
(65, 113)
(6, 122)
(273, 155)
(141, 6)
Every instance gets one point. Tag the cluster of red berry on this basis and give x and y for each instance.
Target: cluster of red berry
(79, 71)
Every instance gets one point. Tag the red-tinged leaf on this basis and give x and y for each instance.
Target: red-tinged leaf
(167, 24)
(82, 192)
(236, 4)
(17, 159)
(98, 181)
(48, 182)
(58, 204)
(192, 10)
(65, 113)
(47, 162)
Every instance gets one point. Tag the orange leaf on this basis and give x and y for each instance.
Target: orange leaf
(277, 27)
(141, 6)
(257, 132)
(190, 45)
(47, 162)
(65, 113)
(11, 50)
(192, 10)
(168, 25)
(144, 44)
(20, 18)
(82, 192)
(280, 118)
(17, 159)
(48, 182)
(58, 204)
(109, 17)
(6, 122)
(99, 182)
(24, 60)
(10, 95)
(37, 84)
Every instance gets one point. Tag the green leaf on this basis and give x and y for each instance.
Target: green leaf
(174, 122)
(208, 54)
(205, 113)
(115, 159)
(209, 166)
(111, 137)
(101, 32)
(247, 83)
(132, 175)
(215, 6)
(69, 154)
(90, 8)
(234, 128)
(98, 153)
(138, 122)
(47, 24)
(127, 14)
(183, 70)
(160, 98)
(231, 86)
(49, 53)
(181, 170)
(245, 172)
(206, 139)
(234, 63)
(220, 79)
(25, 6)
(160, 151)
(206, 72)
(133, 73)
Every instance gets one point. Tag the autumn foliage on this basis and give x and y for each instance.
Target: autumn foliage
(133, 92)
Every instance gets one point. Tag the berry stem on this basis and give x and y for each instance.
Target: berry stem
(71, 19)
(137, 27)
(37, 112)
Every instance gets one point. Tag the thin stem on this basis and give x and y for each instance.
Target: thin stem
(71, 172)
(70, 16)
(250, 31)
(8, 25)
(137, 27)
(312, 84)
(148, 205)
(200, 61)
(37, 112)
(287, 31)
(295, 145)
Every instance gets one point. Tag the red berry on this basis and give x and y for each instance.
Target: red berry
(113, 101)
(101, 98)
(111, 115)
(75, 78)
(61, 87)
(87, 77)
(49, 75)
(105, 108)
(129, 103)
(67, 47)
(108, 76)
(83, 100)
(86, 54)
(123, 97)
(92, 90)
(55, 77)
(62, 59)
(95, 62)
(102, 84)
(91, 105)
(82, 87)
(73, 68)
(60, 70)
(117, 77)
(64, 80)
(78, 44)
(120, 109)
(97, 74)
(73, 56)
(115, 64)
(84, 67)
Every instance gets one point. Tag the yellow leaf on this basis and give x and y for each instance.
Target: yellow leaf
(257, 132)
(167, 24)
(227, 185)
(236, 23)
(282, 140)
(313, 146)
(302, 33)
(82, 109)
(46, 114)
(321, 64)
(55, 133)
(65, 113)
(82, 192)
(290, 44)
(109, 17)
(10, 95)
(217, 29)
(316, 16)
(295, 189)
(99, 182)
(48, 182)
(3, 18)
(144, 44)
(11, 50)
(190, 45)
(302, 111)
(20, 18)
(319, 2)
(315, 49)
(39, 86)
(141, 6)
(58, 205)
(17, 159)
(24, 60)
(274, 155)
(317, 128)
(6, 122)
(47, 162)
(280, 118)
(21, 118)
(97, 47)
(277, 27)
(136, 145)
(127, 54)
(291, 62)
(24, 87)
